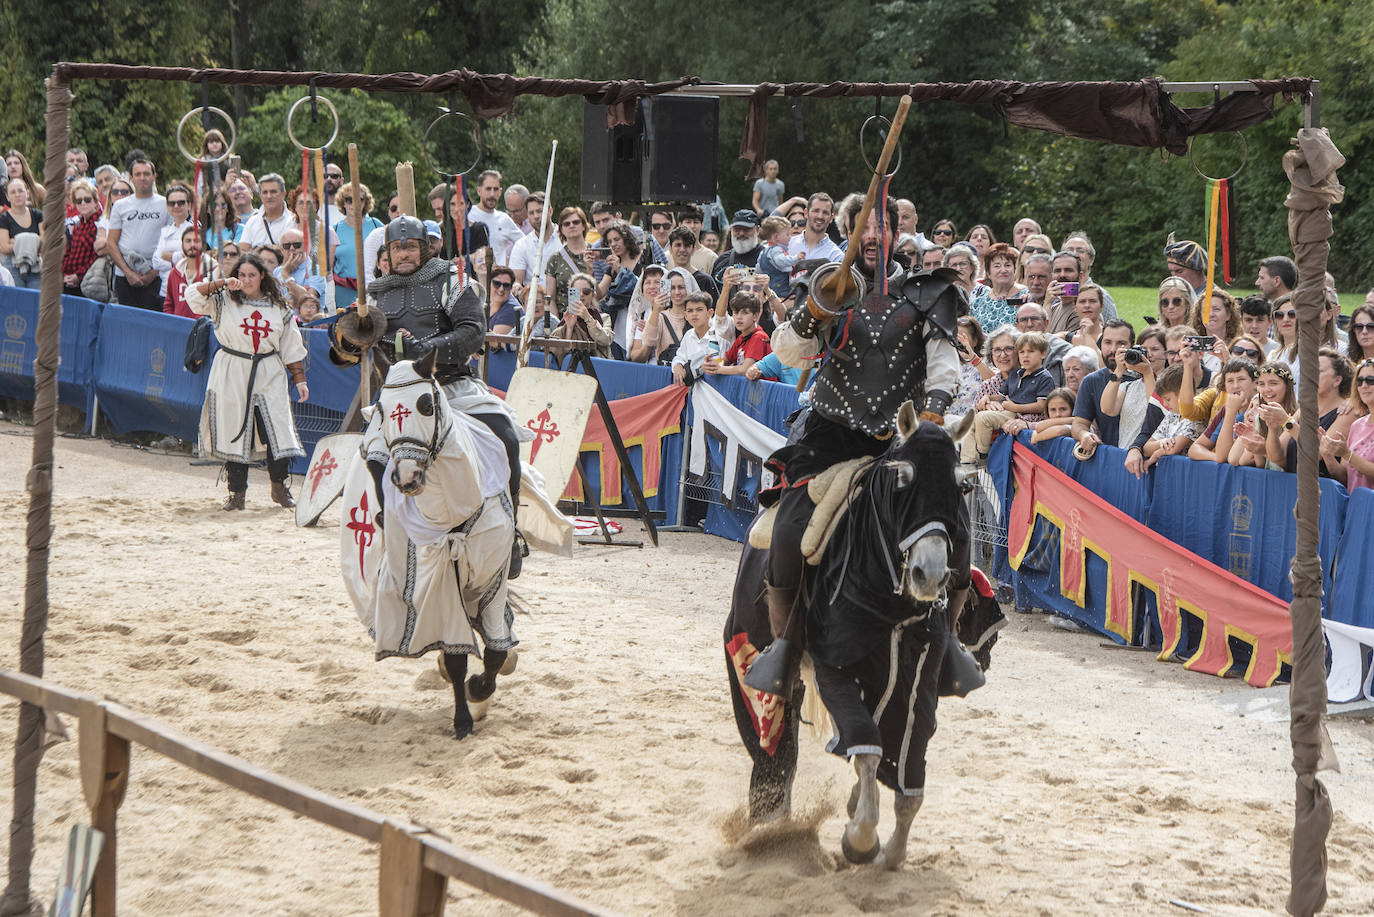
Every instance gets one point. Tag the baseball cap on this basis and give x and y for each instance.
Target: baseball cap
(745, 218)
(432, 230)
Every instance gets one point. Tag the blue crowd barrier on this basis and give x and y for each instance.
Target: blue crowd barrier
(139, 377)
(1240, 519)
(18, 348)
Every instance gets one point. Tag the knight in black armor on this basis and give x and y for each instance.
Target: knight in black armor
(428, 309)
(898, 344)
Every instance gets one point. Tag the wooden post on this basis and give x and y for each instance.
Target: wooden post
(405, 888)
(104, 778)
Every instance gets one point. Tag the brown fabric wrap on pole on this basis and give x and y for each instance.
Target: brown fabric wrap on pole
(1309, 230)
(28, 740)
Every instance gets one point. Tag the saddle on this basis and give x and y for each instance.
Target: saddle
(832, 492)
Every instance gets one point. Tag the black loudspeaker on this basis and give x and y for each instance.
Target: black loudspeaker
(667, 156)
(610, 158)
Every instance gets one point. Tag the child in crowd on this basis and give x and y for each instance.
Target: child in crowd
(774, 261)
(1256, 317)
(1214, 443)
(701, 342)
(751, 342)
(1025, 394)
(1059, 407)
(1172, 436)
(1273, 385)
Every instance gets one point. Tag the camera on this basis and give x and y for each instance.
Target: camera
(1018, 301)
(1135, 356)
(1200, 343)
(1068, 288)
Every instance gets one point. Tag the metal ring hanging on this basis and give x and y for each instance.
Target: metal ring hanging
(291, 113)
(863, 153)
(433, 160)
(1244, 158)
(209, 160)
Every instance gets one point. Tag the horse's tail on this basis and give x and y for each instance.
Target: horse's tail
(813, 711)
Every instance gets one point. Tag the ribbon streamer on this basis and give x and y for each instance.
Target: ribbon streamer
(1213, 204)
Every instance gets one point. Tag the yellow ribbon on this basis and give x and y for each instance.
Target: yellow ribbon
(1211, 253)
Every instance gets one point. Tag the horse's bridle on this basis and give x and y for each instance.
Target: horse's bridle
(930, 528)
(410, 446)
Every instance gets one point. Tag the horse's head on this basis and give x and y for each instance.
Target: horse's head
(415, 421)
(925, 504)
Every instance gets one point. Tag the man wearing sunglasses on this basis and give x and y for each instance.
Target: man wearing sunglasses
(297, 264)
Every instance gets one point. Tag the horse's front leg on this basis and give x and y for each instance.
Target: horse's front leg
(894, 851)
(456, 665)
(860, 841)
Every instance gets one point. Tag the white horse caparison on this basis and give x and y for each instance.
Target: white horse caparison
(425, 537)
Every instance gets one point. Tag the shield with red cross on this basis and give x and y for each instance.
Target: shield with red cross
(324, 476)
(554, 406)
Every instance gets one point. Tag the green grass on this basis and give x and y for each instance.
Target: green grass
(1133, 303)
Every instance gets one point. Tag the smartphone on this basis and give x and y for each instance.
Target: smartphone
(1068, 288)
(236, 163)
(1200, 343)
(574, 296)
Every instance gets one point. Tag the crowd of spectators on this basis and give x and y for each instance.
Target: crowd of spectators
(1043, 347)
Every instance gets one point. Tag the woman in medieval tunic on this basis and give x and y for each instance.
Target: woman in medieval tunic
(247, 411)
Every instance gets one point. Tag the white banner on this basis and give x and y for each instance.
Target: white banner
(739, 430)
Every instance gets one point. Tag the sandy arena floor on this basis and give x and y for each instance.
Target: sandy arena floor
(1081, 781)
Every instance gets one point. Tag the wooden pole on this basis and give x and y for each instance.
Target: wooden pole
(405, 188)
(323, 263)
(537, 281)
(365, 364)
(841, 283)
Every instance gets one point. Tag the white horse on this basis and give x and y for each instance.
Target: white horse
(425, 535)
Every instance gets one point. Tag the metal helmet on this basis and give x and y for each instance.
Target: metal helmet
(404, 228)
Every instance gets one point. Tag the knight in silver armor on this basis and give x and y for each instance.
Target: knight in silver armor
(898, 344)
(428, 309)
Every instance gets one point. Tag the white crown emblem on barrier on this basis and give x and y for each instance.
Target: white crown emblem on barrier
(158, 359)
(15, 325)
(1242, 512)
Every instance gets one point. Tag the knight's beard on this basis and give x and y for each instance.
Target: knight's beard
(744, 246)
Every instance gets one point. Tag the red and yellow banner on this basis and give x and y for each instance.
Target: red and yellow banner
(1182, 581)
(643, 420)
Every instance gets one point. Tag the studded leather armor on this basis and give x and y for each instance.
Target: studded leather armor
(881, 353)
(438, 314)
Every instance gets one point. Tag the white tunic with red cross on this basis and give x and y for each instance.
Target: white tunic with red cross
(245, 329)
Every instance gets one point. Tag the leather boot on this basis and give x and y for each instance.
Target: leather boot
(281, 495)
(518, 550)
(784, 618)
(235, 500)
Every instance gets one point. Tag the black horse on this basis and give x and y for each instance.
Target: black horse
(877, 632)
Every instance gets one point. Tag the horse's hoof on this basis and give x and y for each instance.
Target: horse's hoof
(890, 860)
(859, 857)
(478, 689)
(462, 727)
(508, 667)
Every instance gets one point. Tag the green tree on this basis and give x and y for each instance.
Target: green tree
(383, 133)
(108, 117)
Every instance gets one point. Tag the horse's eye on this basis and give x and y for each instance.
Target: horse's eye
(906, 472)
(425, 405)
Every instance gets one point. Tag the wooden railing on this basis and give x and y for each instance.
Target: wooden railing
(414, 864)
